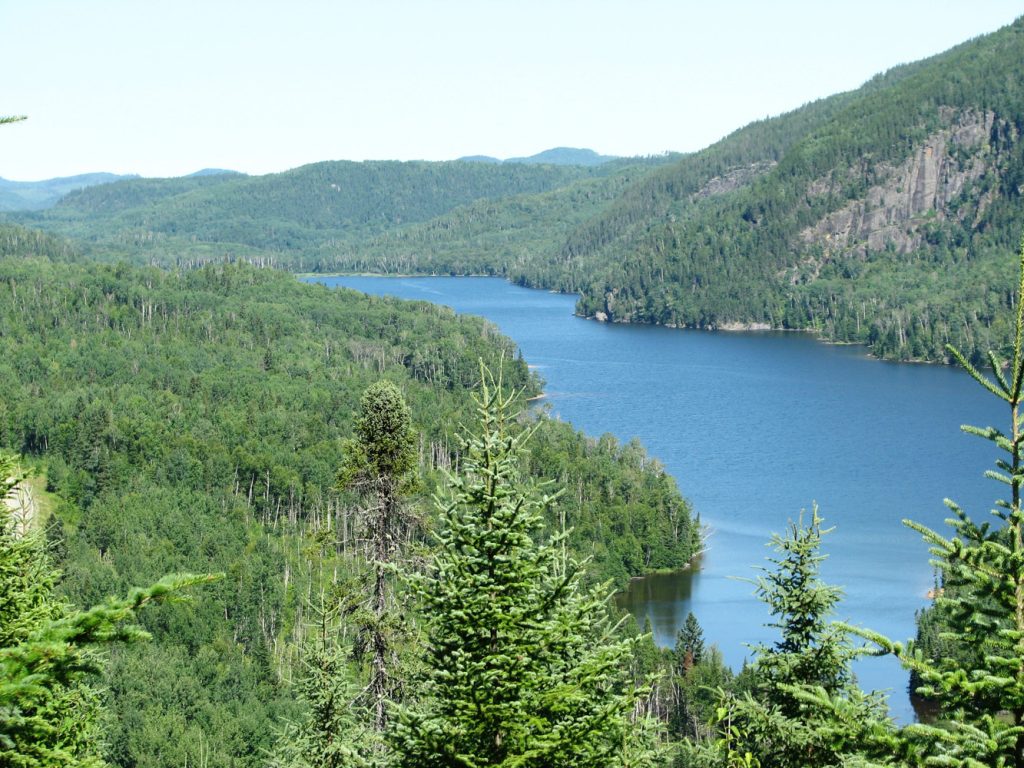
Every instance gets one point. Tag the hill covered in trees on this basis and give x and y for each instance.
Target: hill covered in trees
(873, 216)
(36, 195)
(288, 216)
(196, 421)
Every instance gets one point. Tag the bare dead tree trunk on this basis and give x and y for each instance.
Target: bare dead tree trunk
(386, 523)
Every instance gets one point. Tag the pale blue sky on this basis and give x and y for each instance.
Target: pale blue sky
(162, 87)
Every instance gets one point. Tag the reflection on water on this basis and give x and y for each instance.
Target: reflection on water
(663, 599)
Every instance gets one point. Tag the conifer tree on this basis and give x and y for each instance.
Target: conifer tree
(697, 673)
(981, 696)
(331, 735)
(48, 714)
(689, 649)
(804, 709)
(379, 463)
(522, 668)
(810, 651)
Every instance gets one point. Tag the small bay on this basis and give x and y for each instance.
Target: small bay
(755, 427)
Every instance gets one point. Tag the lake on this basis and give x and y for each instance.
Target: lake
(756, 427)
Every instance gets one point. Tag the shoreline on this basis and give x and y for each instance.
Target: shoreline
(691, 565)
(756, 328)
(726, 328)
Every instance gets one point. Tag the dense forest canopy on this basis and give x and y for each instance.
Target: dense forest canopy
(195, 420)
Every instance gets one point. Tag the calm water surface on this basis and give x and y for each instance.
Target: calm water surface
(755, 427)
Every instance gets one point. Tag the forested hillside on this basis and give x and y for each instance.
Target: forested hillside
(195, 421)
(874, 216)
(884, 223)
(298, 213)
(36, 195)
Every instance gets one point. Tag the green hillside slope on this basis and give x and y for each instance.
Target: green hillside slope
(886, 222)
(195, 420)
(887, 215)
(297, 211)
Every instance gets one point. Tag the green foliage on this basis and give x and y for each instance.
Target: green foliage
(384, 444)
(330, 736)
(521, 667)
(178, 442)
(619, 505)
(810, 651)
(981, 607)
(197, 421)
(689, 648)
(696, 675)
(804, 708)
(49, 715)
(19, 241)
(380, 462)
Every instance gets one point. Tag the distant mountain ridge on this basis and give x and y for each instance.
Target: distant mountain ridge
(40, 195)
(36, 195)
(556, 156)
(302, 210)
(216, 172)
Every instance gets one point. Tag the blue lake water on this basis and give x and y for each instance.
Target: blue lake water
(755, 427)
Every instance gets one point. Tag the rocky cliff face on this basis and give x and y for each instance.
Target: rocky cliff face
(733, 179)
(909, 196)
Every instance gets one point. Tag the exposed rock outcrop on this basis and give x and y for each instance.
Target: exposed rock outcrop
(909, 195)
(734, 326)
(733, 179)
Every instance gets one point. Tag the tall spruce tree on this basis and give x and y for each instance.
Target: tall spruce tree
(810, 651)
(689, 648)
(696, 673)
(331, 734)
(379, 463)
(522, 666)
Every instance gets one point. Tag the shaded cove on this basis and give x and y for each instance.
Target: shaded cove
(756, 427)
